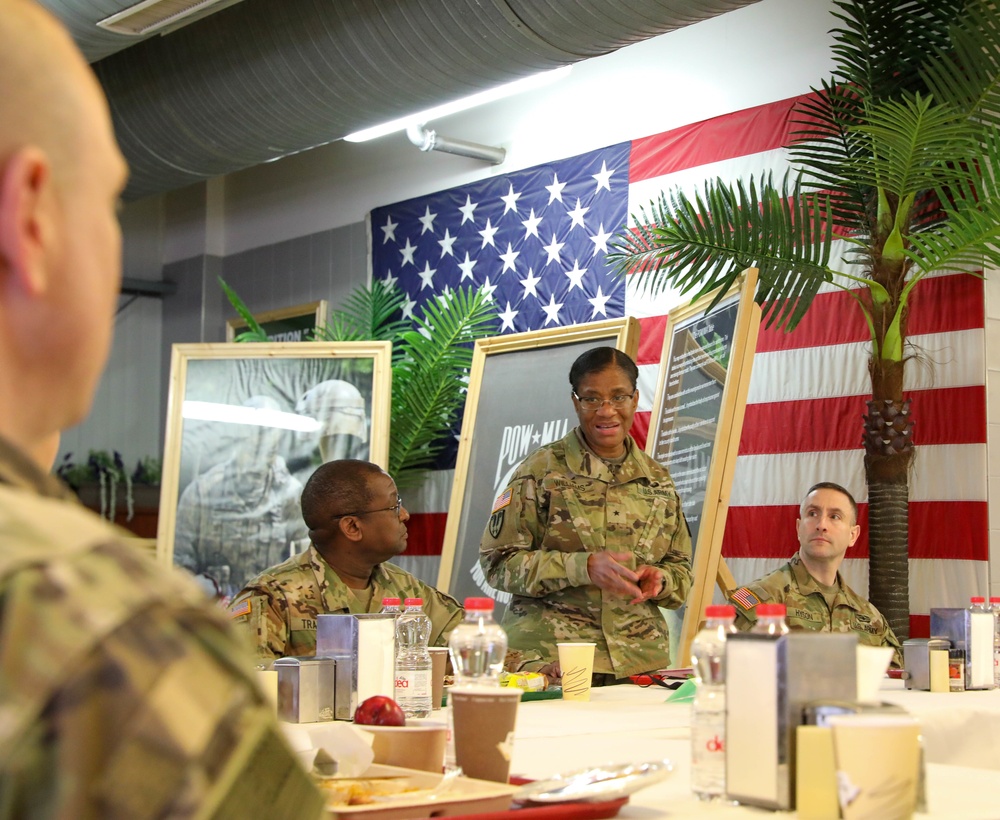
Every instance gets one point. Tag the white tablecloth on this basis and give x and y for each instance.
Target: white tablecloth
(625, 724)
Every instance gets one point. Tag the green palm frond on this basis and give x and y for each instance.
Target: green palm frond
(434, 363)
(256, 333)
(704, 244)
(369, 314)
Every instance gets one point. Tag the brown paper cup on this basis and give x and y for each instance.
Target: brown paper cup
(577, 663)
(439, 665)
(878, 765)
(484, 722)
(412, 747)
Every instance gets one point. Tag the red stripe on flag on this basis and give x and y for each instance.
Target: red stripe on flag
(640, 428)
(425, 533)
(750, 131)
(954, 303)
(651, 330)
(954, 415)
(938, 529)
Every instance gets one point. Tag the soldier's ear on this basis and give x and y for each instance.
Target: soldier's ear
(350, 528)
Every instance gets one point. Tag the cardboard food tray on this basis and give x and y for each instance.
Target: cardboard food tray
(465, 797)
(570, 810)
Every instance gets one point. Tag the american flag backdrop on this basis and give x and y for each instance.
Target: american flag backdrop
(536, 239)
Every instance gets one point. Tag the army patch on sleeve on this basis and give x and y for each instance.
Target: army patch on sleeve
(496, 522)
(503, 500)
(240, 609)
(745, 598)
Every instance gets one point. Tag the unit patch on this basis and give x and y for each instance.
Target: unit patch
(496, 523)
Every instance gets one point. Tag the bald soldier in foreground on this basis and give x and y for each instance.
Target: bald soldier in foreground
(122, 693)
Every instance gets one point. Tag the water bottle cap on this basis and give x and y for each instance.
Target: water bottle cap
(479, 604)
(413, 602)
(995, 600)
(772, 610)
(720, 611)
(977, 599)
(390, 602)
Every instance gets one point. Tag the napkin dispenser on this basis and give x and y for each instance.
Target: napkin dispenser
(306, 689)
(769, 681)
(922, 669)
(972, 632)
(364, 647)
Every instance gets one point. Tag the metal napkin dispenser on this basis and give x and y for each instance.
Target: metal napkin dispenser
(364, 647)
(769, 681)
(917, 660)
(973, 633)
(306, 689)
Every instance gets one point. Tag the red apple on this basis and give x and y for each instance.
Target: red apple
(380, 710)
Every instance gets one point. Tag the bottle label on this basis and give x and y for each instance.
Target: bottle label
(413, 683)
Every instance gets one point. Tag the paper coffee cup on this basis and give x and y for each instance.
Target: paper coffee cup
(412, 747)
(576, 660)
(439, 665)
(483, 720)
(878, 765)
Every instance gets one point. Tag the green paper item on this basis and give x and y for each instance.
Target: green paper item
(684, 693)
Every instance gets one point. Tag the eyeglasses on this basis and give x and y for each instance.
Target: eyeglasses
(395, 508)
(592, 403)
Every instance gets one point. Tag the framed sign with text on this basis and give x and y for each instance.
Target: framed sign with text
(291, 324)
(696, 424)
(519, 399)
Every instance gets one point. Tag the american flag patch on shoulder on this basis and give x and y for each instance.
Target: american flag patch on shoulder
(240, 609)
(502, 500)
(745, 598)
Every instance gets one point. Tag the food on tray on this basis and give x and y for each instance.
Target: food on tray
(360, 791)
(379, 710)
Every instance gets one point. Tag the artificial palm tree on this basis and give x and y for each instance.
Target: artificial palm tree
(431, 358)
(897, 153)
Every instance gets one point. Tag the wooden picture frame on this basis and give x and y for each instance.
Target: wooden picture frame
(290, 324)
(518, 400)
(695, 429)
(247, 424)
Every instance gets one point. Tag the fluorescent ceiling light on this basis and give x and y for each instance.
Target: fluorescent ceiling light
(256, 416)
(483, 97)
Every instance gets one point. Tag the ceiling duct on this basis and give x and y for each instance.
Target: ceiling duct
(263, 79)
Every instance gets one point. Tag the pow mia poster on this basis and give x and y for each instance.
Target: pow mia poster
(521, 402)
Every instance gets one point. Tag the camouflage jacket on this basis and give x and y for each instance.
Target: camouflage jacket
(562, 504)
(123, 694)
(806, 606)
(279, 607)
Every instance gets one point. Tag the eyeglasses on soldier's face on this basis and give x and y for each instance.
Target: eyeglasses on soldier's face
(593, 403)
(394, 508)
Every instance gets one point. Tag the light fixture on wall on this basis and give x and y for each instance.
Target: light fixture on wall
(253, 416)
(482, 98)
(152, 15)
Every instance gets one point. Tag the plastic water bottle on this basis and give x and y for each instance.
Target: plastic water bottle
(390, 606)
(478, 645)
(708, 712)
(413, 661)
(995, 606)
(771, 620)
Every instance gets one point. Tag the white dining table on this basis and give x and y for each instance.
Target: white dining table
(629, 724)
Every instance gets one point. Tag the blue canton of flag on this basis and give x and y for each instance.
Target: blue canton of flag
(534, 239)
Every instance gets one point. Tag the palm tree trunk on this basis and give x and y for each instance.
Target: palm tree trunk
(888, 557)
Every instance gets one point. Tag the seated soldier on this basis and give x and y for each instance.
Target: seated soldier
(356, 522)
(810, 585)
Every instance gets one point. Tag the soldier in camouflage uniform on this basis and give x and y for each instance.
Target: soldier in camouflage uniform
(810, 586)
(356, 522)
(123, 694)
(589, 536)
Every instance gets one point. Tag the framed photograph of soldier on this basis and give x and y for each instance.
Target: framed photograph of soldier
(518, 400)
(291, 324)
(247, 424)
(695, 429)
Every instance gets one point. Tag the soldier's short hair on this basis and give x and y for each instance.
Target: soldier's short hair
(830, 485)
(336, 488)
(601, 358)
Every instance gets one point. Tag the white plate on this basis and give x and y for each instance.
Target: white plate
(600, 783)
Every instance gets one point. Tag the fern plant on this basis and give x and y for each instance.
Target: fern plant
(431, 358)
